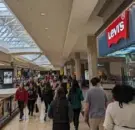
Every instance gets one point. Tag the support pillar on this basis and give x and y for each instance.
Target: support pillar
(15, 71)
(78, 66)
(92, 56)
(65, 70)
(72, 70)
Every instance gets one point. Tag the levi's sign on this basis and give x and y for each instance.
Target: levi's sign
(118, 29)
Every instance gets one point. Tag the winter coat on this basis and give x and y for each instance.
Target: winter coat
(21, 95)
(60, 111)
(76, 98)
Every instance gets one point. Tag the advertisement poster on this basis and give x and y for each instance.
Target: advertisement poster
(8, 77)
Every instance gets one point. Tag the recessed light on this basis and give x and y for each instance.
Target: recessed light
(42, 14)
(46, 28)
(48, 37)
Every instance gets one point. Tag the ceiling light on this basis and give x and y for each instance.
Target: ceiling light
(48, 37)
(42, 14)
(46, 28)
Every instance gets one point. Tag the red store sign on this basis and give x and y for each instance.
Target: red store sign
(118, 29)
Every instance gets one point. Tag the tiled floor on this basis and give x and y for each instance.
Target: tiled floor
(36, 123)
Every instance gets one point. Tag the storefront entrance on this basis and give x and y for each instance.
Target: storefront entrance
(118, 40)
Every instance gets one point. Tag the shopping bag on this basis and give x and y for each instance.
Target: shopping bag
(37, 109)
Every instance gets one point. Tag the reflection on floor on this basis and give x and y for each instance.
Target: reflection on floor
(36, 122)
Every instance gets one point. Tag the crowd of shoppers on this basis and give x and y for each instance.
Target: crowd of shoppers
(65, 99)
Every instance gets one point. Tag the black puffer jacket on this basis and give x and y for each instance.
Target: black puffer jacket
(60, 111)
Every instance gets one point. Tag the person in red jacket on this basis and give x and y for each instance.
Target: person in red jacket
(22, 98)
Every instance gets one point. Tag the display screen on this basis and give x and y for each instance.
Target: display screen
(8, 77)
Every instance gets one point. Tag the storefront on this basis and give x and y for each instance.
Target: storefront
(118, 40)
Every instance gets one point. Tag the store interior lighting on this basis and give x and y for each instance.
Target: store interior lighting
(122, 52)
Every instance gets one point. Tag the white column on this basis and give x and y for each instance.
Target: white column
(92, 56)
(65, 70)
(15, 71)
(77, 66)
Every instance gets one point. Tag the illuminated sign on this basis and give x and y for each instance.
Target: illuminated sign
(118, 29)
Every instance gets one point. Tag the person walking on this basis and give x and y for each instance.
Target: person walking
(120, 114)
(76, 97)
(64, 84)
(22, 97)
(32, 97)
(96, 102)
(47, 97)
(60, 111)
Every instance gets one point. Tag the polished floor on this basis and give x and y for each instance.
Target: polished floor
(36, 122)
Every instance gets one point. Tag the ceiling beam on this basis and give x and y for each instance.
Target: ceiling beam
(105, 5)
(25, 53)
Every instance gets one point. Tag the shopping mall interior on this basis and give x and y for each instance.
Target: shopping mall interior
(81, 38)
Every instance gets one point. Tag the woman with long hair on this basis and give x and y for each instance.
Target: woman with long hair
(60, 111)
(76, 97)
(120, 114)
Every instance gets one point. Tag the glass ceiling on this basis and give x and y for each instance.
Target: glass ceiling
(12, 32)
(37, 59)
(15, 38)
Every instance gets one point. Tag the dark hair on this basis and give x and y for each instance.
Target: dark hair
(95, 81)
(61, 93)
(75, 85)
(17, 85)
(64, 77)
(123, 94)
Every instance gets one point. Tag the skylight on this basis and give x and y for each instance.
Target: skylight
(15, 39)
(37, 59)
(12, 33)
